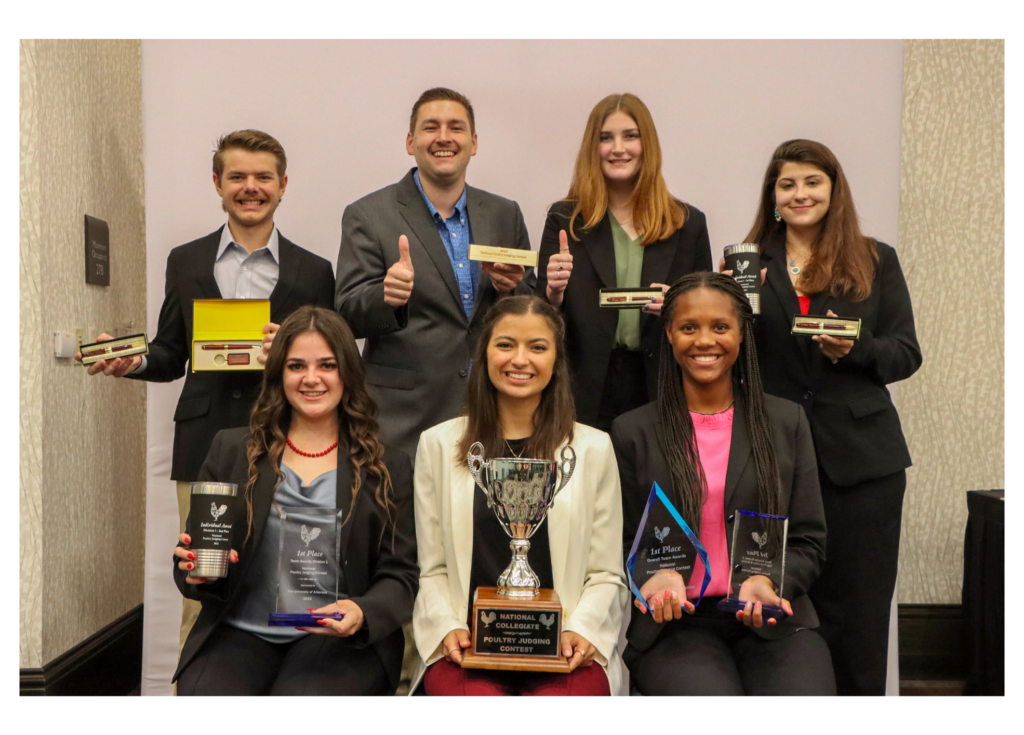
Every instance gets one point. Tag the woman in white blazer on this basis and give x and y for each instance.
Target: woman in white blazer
(519, 403)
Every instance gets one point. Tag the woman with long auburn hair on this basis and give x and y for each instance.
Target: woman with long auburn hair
(718, 445)
(313, 409)
(519, 404)
(618, 227)
(819, 263)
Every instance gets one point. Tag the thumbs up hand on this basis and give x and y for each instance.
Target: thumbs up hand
(559, 270)
(399, 278)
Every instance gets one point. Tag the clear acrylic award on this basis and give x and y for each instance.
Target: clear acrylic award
(665, 541)
(758, 548)
(309, 565)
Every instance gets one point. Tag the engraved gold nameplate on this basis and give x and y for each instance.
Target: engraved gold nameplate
(627, 298)
(512, 256)
(136, 344)
(830, 325)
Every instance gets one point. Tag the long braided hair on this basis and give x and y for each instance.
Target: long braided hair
(680, 443)
(357, 411)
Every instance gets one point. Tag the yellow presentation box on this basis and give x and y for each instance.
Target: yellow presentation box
(512, 256)
(227, 334)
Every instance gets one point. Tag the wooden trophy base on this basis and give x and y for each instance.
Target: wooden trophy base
(516, 633)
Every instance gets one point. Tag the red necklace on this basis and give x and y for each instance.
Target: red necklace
(311, 454)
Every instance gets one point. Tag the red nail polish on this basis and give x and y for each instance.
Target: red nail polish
(191, 555)
(298, 628)
(310, 609)
(322, 622)
(190, 566)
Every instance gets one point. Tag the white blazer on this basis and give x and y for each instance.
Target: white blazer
(584, 526)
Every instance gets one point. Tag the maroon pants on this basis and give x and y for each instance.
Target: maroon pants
(447, 679)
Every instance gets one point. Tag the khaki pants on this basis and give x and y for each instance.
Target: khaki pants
(189, 608)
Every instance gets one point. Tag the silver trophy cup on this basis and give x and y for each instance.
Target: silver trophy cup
(520, 492)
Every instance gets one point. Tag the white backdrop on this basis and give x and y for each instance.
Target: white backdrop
(341, 111)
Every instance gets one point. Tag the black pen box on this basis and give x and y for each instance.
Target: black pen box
(627, 298)
(833, 326)
(136, 344)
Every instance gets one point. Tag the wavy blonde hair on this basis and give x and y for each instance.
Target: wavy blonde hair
(357, 411)
(656, 213)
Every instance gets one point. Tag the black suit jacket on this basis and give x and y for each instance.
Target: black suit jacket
(856, 429)
(382, 578)
(637, 438)
(211, 401)
(589, 329)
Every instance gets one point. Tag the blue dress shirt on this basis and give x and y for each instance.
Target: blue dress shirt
(456, 235)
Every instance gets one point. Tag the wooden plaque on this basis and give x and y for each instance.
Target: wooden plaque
(516, 634)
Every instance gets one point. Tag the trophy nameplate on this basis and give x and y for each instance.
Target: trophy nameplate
(516, 634)
(627, 298)
(511, 256)
(831, 325)
(135, 344)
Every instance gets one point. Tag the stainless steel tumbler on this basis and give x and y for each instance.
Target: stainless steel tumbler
(211, 518)
(744, 260)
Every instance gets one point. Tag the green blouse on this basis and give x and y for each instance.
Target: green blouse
(629, 260)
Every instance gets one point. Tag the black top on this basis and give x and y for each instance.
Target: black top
(857, 432)
(381, 574)
(214, 400)
(491, 552)
(589, 329)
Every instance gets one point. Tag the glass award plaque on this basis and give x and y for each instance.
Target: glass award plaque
(665, 541)
(309, 565)
(758, 548)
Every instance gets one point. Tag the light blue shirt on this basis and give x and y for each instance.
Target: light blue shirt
(456, 235)
(241, 274)
(244, 275)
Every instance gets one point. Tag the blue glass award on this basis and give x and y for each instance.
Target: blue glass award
(664, 541)
(758, 548)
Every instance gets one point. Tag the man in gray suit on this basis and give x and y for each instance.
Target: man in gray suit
(405, 282)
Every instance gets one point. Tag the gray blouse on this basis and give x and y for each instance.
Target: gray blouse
(258, 595)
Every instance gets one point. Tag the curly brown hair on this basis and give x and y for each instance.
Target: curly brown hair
(357, 411)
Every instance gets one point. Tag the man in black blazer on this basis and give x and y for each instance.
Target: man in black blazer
(246, 258)
(405, 283)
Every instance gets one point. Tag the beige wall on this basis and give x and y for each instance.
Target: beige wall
(83, 439)
(951, 247)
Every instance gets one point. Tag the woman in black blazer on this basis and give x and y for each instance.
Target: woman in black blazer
(617, 227)
(819, 263)
(313, 408)
(717, 445)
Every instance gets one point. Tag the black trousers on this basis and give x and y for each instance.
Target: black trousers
(718, 656)
(853, 595)
(625, 387)
(233, 662)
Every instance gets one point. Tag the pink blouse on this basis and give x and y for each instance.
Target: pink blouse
(714, 437)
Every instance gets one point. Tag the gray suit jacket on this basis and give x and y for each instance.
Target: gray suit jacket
(417, 356)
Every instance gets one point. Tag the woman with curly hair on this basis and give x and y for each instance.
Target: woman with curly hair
(313, 409)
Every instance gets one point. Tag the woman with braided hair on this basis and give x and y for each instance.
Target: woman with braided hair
(312, 442)
(717, 445)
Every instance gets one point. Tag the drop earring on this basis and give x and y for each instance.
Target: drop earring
(778, 217)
